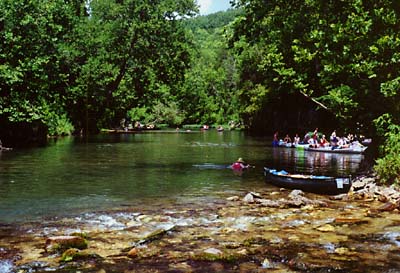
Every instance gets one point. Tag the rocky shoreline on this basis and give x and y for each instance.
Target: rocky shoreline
(363, 188)
(271, 231)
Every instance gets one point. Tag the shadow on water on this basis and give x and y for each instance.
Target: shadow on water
(318, 163)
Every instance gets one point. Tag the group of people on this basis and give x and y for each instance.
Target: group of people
(319, 140)
(316, 139)
(287, 140)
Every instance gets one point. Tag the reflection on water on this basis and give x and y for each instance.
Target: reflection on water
(210, 166)
(73, 175)
(298, 160)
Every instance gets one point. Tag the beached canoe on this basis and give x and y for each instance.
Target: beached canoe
(308, 183)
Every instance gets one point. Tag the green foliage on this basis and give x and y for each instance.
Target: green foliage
(138, 114)
(341, 100)
(388, 166)
(130, 49)
(91, 61)
(160, 113)
(85, 65)
(168, 113)
(31, 72)
(391, 87)
(209, 94)
(257, 97)
(343, 54)
(60, 125)
(213, 21)
(340, 53)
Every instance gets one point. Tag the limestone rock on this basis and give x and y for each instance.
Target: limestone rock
(74, 254)
(213, 251)
(233, 198)
(248, 198)
(267, 264)
(389, 206)
(61, 243)
(326, 228)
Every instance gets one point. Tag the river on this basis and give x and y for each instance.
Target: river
(75, 175)
(167, 201)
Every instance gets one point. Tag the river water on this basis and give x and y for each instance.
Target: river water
(171, 198)
(78, 175)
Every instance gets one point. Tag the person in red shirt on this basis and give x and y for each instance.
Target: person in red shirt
(240, 164)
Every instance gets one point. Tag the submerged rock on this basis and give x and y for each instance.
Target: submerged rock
(233, 198)
(213, 251)
(344, 251)
(74, 254)
(248, 198)
(155, 235)
(326, 228)
(279, 231)
(271, 203)
(350, 221)
(267, 264)
(61, 243)
(389, 206)
(296, 198)
(252, 197)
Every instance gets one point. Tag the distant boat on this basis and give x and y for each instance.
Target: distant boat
(308, 183)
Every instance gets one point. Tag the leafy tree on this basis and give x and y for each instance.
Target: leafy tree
(93, 60)
(340, 54)
(125, 51)
(33, 77)
(209, 91)
(211, 22)
(388, 166)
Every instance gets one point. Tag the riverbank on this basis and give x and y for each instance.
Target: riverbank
(272, 230)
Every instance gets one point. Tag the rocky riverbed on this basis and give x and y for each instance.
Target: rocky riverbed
(266, 231)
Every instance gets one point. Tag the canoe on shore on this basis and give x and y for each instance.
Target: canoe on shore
(308, 183)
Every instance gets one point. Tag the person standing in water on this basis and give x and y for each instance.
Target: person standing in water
(240, 164)
(275, 141)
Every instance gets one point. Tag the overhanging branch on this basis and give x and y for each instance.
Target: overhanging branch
(315, 101)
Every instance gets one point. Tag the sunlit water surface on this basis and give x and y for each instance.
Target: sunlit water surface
(77, 175)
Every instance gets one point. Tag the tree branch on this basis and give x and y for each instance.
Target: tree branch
(315, 101)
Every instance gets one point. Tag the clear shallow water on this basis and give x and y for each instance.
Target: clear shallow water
(74, 175)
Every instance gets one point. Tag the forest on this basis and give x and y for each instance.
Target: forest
(78, 66)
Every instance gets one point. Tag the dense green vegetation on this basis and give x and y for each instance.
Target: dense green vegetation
(84, 65)
(208, 94)
(343, 55)
(69, 63)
